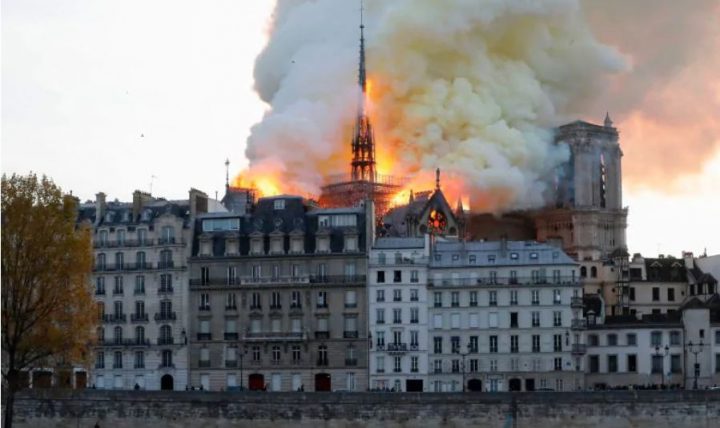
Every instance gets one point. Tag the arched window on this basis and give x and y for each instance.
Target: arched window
(100, 262)
(140, 334)
(168, 235)
(140, 259)
(118, 334)
(100, 334)
(583, 272)
(119, 260)
(166, 334)
(593, 272)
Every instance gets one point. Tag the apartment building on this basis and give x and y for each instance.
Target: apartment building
(657, 285)
(278, 297)
(504, 316)
(140, 276)
(398, 314)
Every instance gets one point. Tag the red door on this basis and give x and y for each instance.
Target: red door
(322, 382)
(256, 382)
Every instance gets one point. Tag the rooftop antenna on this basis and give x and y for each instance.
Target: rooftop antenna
(437, 179)
(227, 173)
(152, 180)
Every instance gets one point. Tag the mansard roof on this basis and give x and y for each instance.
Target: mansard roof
(497, 253)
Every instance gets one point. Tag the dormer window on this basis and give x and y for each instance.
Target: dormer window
(279, 204)
(472, 259)
(109, 216)
(351, 243)
(533, 256)
(514, 256)
(256, 246)
(146, 214)
(323, 244)
(276, 245)
(491, 258)
(126, 216)
(296, 245)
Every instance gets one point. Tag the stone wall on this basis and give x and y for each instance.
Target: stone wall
(121, 409)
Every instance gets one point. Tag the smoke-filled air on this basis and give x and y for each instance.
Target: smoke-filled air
(471, 87)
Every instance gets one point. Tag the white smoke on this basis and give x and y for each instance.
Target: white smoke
(472, 87)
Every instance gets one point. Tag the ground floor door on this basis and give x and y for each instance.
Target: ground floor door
(515, 385)
(530, 384)
(322, 382)
(167, 383)
(474, 385)
(42, 379)
(80, 380)
(256, 382)
(414, 385)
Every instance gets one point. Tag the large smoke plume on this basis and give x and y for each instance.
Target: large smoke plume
(472, 87)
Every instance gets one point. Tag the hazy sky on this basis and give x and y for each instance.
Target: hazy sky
(104, 95)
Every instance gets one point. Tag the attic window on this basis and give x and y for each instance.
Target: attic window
(555, 255)
(473, 259)
(533, 256)
(146, 215)
(126, 216)
(456, 257)
(514, 256)
(279, 204)
(491, 258)
(109, 216)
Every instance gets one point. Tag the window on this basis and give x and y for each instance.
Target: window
(380, 335)
(535, 343)
(656, 294)
(455, 344)
(100, 285)
(675, 366)
(513, 319)
(612, 339)
(256, 353)
(593, 272)
(455, 366)
(167, 358)
(474, 365)
(583, 272)
(514, 347)
(557, 342)
(493, 298)
(656, 338)
(513, 297)
(397, 295)
(380, 316)
(140, 284)
(414, 315)
(296, 356)
(276, 354)
(493, 320)
(535, 318)
(593, 340)
(717, 337)
(631, 339)
(379, 295)
(279, 204)
(455, 299)
(256, 301)
(204, 301)
(100, 360)
(414, 364)
(414, 276)
(117, 360)
(557, 319)
(380, 277)
(632, 294)
(397, 367)
(493, 344)
(473, 298)
(535, 297)
(275, 301)
(231, 302)
(675, 338)
(438, 345)
(594, 364)
(204, 275)
(397, 316)
(671, 294)
(657, 363)
(437, 299)
(295, 300)
(414, 338)
(556, 297)
(414, 297)
(632, 363)
(397, 276)
(322, 299)
(473, 344)
(612, 363)
(558, 364)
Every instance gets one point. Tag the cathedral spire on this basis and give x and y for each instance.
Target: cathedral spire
(363, 143)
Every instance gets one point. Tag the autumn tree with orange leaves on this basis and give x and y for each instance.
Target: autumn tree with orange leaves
(47, 305)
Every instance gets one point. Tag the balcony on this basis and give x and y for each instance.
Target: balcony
(579, 349)
(165, 316)
(274, 336)
(165, 365)
(114, 318)
(204, 336)
(99, 291)
(322, 335)
(492, 282)
(166, 241)
(117, 291)
(230, 336)
(214, 281)
(204, 308)
(139, 317)
(397, 347)
(231, 364)
(350, 334)
(351, 361)
(322, 361)
(350, 305)
(163, 290)
(165, 341)
(576, 302)
(166, 264)
(276, 307)
(123, 243)
(137, 266)
(125, 342)
(338, 279)
(579, 324)
(204, 363)
(230, 308)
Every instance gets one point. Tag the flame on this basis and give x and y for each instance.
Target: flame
(265, 184)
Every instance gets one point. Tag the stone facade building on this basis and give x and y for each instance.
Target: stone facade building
(140, 277)
(504, 315)
(398, 314)
(277, 297)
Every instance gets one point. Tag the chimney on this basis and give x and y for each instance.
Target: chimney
(140, 198)
(198, 201)
(689, 259)
(99, 207)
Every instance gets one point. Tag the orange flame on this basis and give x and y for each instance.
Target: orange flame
(265, 184)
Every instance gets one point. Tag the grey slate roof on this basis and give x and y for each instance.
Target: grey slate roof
(505, 253)
(399, 243)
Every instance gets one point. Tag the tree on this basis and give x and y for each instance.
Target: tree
(47, 306)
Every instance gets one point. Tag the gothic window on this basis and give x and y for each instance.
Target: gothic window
(437, 222)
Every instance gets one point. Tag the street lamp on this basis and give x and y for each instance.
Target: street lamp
(695, 349)
(659, 353)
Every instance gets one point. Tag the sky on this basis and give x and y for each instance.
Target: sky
(115, 96)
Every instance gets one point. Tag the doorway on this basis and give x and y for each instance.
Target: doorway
(322, 382)
(167, 383)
